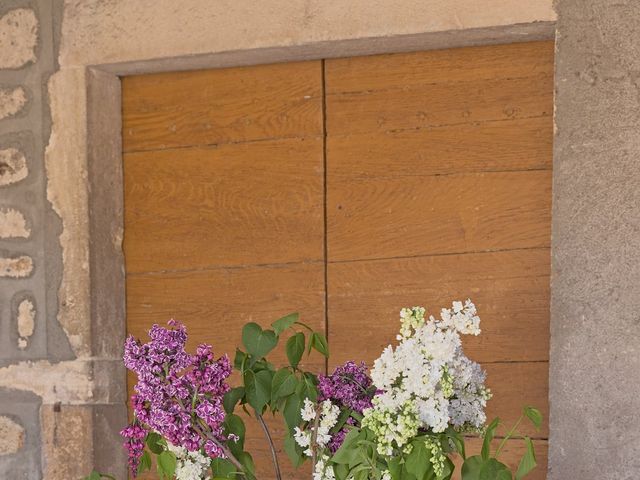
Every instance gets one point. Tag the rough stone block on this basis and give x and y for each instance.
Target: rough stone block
(26, 321)
(11, 435)
(15, 267)
(12, 101)
(13, 166)
(22, 409)
(67, 441)
(18, 38)
(13, 224)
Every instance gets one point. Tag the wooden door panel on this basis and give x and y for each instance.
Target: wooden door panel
(470, 64)
(236, 204)
(524, 144)
(385, 217)
(439, 188)
(170, 110)
(438, 105)
(510, 289)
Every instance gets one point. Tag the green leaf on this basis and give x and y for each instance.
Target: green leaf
(310, 389)
(246, 460)
(258, 388)
(153, 444)
(234, 424)
(166, 464)
(528, 461)
(534, 415)
(395, 468)
(458, 442)
(418, 461)
(93, 476)
(257, 341)
(239, 360)
(291, 412)
(293, 451)
(471, 467)
(231, 398)
(348, 451)
(494, 470)
(295, 348)
(488, 438)
(145, 463)
(222, 468)
(284, 384)
(319, 342)
(285, 322)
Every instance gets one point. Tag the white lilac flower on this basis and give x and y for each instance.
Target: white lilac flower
(322, 470)
(327, 420)
(308, 411)
(426, 380)
(189, 465)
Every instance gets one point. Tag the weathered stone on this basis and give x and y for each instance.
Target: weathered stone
(67, 437)
(13, 224)
(18, 38)
(13, 166)
(595, 324)
(16, 267)
(26, 320)
(12, 101)
(11, 436)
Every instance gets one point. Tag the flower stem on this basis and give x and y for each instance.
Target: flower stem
(314, 438)
(274, 456)
(508, 436)
(224, 449)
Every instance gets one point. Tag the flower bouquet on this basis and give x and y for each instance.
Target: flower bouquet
(403, 420)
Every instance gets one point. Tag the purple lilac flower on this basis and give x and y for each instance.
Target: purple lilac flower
(177, 395)
(134, 436)
(349, 387)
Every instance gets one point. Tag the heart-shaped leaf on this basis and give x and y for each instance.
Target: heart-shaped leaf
(528, 461)
(285, 322)
(258, 342)
(295, 348)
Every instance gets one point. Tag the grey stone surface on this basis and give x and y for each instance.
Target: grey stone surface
(24, 409)
(595, 347)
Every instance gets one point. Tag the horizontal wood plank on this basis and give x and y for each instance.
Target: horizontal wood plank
(399, 217)
(510, 455)
(438, 105)
(403, 70)
(215, 304)
(510, 290)
(524, 144)
(246, 204)
(170, 110)
(514, 386)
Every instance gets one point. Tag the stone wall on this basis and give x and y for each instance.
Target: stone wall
(61, 298)
(595, 336)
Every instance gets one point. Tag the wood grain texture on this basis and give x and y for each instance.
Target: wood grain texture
(244, 204)
(170, 110)
(439, 104)
(398, 217)
(511, 455)
(472, 64)
(515, 385)
(214, 304)
(524, 144)
(510, 289)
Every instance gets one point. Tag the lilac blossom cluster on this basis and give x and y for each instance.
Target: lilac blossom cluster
(349, 387)
(178, 395)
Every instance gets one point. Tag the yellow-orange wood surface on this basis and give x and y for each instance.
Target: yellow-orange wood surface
(373, 183)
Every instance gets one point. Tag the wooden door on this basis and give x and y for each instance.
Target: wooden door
(346, 189)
